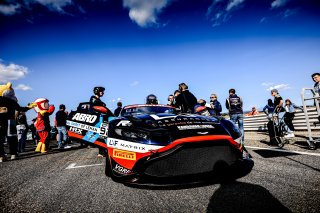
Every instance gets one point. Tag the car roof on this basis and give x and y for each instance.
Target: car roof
(147, 105)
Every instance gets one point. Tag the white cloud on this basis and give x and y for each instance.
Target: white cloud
(135, 83)
(23, 87)
(288, 13)
(9, 10)
(233, 4)
(12, 72)
(280, 87)
(267, 84)
(279, 3)
(220, 10)
(144, 12)
(55, 5)
(263, 20)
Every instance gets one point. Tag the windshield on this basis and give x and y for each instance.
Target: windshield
(139, 110)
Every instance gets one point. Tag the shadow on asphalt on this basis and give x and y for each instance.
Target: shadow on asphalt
(30, 150)
(244, 197)
(272, 154)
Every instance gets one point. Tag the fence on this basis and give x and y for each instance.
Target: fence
(259, 122)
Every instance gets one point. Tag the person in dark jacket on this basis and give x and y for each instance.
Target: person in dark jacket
(186, 101)
(61, 124)
(215, 106)
(118, 110)
(8, 130)
(96, 101)
(234, 105)
(269, 108)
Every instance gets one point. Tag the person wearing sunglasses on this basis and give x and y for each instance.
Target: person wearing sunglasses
(215, 106)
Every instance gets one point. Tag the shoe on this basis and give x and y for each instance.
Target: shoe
(1, 159)
(67, 147)
(290, 135)
(100, 156)
(13, 157)
(38, 149)
(43, 149)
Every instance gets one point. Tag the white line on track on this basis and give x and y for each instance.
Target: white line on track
(283, 150)
(73, 166)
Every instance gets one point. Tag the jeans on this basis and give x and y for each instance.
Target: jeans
(237, 119)
(22, 137)
(62, 136)
(282, 119)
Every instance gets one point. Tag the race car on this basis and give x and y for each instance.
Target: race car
(154, 145)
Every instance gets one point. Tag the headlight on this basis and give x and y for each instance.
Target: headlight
(131, 134)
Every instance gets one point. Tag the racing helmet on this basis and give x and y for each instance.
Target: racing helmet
(97, 90)
(151, 99)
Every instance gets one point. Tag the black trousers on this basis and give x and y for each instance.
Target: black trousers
(288, 118)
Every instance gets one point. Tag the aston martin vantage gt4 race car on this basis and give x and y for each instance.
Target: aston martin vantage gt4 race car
(152, 144)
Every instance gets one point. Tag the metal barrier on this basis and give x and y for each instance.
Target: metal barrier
(259, 122)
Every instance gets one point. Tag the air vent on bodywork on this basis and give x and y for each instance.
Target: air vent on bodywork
(192, 159)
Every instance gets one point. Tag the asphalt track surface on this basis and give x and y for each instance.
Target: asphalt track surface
(74, 181)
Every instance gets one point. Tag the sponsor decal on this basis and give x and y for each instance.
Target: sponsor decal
(131, 146)
(121, 170)
(85, 117)
(83, 126)
(76, 130)
(124, 154)
(72, 123)
(195, 127)
(104, 129)
(156, 117)
(124, 123)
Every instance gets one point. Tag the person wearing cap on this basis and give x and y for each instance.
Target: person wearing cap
(316, 86)
(61, 125)
(277, 101)
(278, 108)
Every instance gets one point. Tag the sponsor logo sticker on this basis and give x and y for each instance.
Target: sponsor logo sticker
(131, 146)
(195, 127)
(85, 117)
(121, 170)
(124, 154)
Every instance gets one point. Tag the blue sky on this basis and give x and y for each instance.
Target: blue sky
(61, 49)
